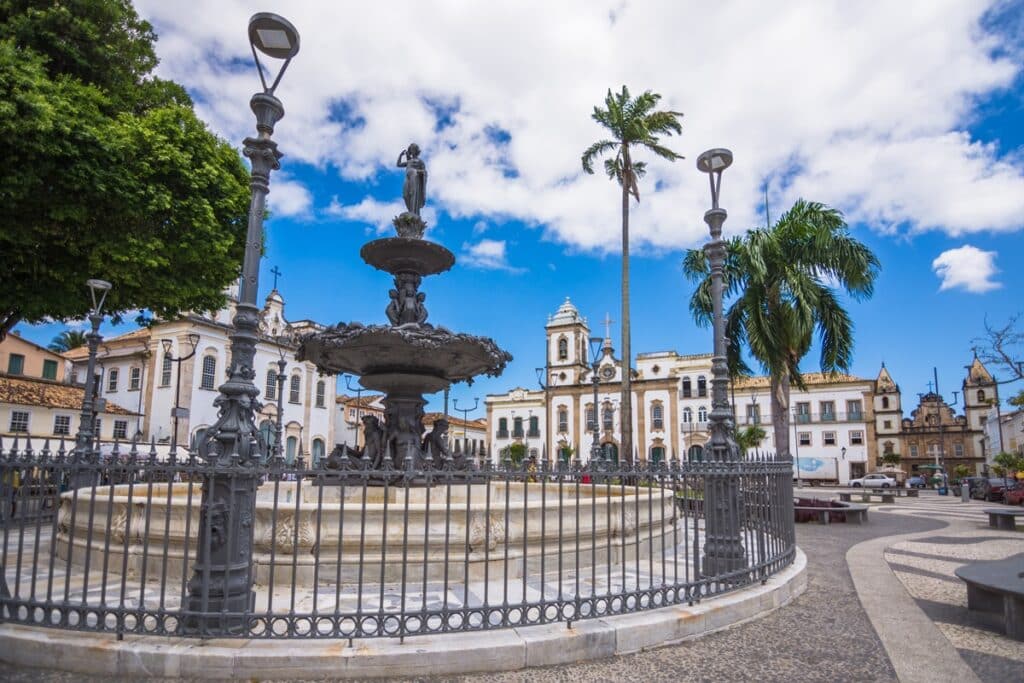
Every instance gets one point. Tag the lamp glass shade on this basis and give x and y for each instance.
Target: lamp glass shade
(595, 347)
(714, 160)
(273, 35)
(166, 343)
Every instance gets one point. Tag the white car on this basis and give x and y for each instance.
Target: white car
(877, 481)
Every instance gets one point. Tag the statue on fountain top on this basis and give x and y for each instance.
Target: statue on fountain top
(414, 192)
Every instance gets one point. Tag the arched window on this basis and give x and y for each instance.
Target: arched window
(563, 420)
(887, 447)
(885, 402)
(271, 389)
(607, 417)
(687, 415)
(321, 393)
(981, 395)
(165, 371)
(687, 388)
(657, 416)
(209, 372)
(318, 450)
(294, 389)
(591, 417)
(534, 426)
(702, 386)
(517, 427)
(563, 349)
(702, 414)
(267, 434)
(695, 454)
(503, 427)
(657, 454)
(291, 445)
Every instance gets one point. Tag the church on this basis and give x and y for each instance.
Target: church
(841, 424)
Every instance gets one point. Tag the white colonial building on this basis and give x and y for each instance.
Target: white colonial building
(832, 418)
(134, 371)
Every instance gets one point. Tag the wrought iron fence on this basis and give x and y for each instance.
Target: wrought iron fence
(110, 543)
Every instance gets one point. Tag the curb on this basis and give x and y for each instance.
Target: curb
(490, 651)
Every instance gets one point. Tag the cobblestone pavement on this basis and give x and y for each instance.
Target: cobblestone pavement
(823, 635)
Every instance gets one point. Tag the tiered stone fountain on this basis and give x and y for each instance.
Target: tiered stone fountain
(409, 357)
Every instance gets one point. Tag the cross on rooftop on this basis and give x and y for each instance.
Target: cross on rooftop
(608, 325)
(275, 272)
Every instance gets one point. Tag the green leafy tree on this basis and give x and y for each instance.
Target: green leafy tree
(113, 176)
(779, 280)
(1018, 400)
(961, 471)
(516, 453)
(634, 123)
(750, 437)
(67, 340)
(890, 459)
(1008, 464)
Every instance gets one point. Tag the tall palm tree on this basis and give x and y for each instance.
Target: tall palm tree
(781, 280)
(632, 122)
(67, 340)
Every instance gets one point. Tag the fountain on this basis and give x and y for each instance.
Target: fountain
(408, 357)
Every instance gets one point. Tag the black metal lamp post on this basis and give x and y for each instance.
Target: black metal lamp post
(359, 389)
(220, 590)
(178, 412)
(465, 421)
(723, 549)
(279, 422)
(595, 361)
(543, 380)
(84, 439)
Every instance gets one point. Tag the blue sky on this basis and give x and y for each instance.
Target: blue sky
(906, 116)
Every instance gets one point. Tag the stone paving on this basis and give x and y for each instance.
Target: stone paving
(824, 635)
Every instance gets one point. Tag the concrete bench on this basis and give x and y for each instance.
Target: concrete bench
(854, 513)
(995, 591)
(866, 496)
(1003, 518)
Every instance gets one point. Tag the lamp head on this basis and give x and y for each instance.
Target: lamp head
(166, 343)
(540, 377)
(595, 348)
(193, 340)
(98, 288)
(275, 37)
(713, 162)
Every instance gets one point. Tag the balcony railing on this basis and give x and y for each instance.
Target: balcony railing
(808, 418)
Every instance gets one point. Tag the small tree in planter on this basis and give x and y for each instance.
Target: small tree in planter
(517, 452)
(891, 459)
(961, 472)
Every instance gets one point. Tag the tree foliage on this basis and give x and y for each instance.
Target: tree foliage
(67, 340)
(750, 437)
(634, 123)
(780, 283)
(890, 459)
(111, 174)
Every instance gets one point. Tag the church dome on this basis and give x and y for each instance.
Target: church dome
(567, 314)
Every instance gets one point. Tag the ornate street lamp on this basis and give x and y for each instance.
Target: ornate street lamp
(465, 420)
(278, 448)
(723, 549)
(85, 438)
(359, 389)
(595, 361)
(543, 381)
(220, 590)
(178, 411)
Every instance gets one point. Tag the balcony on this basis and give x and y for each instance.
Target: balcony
(828, 418)
(533, 433)
(502, 433)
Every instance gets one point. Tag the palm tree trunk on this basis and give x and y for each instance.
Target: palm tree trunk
(780, 412)
(627, 378)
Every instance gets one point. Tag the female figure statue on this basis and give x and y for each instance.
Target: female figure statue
(414, 191)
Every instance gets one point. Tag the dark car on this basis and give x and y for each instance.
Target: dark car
(990, 489)
(972, 484)
(1015, 494)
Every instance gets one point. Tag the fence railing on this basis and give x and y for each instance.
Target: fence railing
(110, 544)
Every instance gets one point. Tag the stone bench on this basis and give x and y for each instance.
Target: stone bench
(866, 496)
(853, 512)
(996, 589)
(1003, 518)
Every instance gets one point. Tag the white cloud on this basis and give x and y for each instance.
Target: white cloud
(289, 197)
(967, 267)
(487, 254)
(377, 213)
(859, 105)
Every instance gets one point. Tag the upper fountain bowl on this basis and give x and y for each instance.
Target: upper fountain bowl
(407, 255)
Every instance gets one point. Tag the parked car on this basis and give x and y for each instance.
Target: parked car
(1015, 494)
(876, 480)
(972, 483)
(991, 489)
(916, 482)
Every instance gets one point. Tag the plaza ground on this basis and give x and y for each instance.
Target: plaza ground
(908, 551)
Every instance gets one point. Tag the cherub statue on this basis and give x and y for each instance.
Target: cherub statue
(436, 442)
(373, 440)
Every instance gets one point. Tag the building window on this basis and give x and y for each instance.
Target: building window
(828, 411)
(351, 413)
(887, 424)
(803, 413)
(913, 450)
(753, 414)
(828, 438)
(887, 447)
(853, 410)
(702, 414)
(885, 402)
(165, 371)
(120, 429)
(981, 395)
(702, 386)
(61, 425)
(687, 388)
(657, 454)
(695, 453)
(517, 427)
(804, 438)
(15, 364)
(19, 421)
(294, 389)
(534, 426)
(687, 415)
(134, 379)
(112, 375)
(607, 418)
(502, 427)
(270, 391)
(856, 438)
(318, 450)
(267, 432)
(563, 349)
(209, 372)
(49, 369)
(958, 450)
(291, 445)
(563, 420)
(97, 427)
(321, 393)
(657, 417)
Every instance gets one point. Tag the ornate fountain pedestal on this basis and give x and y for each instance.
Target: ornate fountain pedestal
(405, 359)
